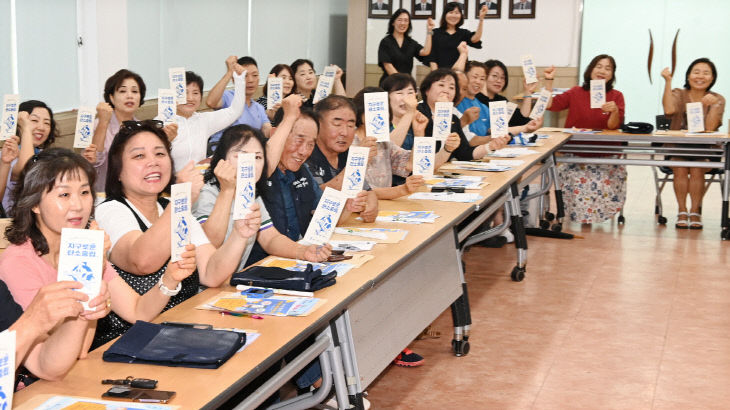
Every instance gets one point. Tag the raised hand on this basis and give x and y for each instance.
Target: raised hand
(225, 173)
(10, 150)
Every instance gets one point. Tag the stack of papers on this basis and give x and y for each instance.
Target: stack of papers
(408, 217)
(479, 166)
(379, 235)
(299, 266)
(352, 246)
(278, 305)
(446, 196)
(512, 152)
(67, 402)
(465, 181)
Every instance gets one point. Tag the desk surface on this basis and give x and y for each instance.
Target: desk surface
(677, 137)
(196, 388)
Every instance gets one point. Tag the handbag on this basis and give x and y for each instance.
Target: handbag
(637, 128)
(151, 343)
(308, 280)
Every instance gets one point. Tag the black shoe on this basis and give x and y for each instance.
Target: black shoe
(493, 242)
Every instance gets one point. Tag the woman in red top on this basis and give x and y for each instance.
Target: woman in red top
(592, 193)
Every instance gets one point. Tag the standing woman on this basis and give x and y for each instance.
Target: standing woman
(591, 193)
(698, 80)
(284, 72)
(447, 37)
(397, 50)
(123, 95)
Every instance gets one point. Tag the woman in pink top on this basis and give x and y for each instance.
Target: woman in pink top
(591, 193)
(55, 191)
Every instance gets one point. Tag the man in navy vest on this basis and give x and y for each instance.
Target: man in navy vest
(328, 160)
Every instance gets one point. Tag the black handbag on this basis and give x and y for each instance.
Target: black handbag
(151, 343)
(271, 277)
(637, 128)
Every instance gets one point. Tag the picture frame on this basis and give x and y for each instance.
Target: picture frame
(464, 7)
(380, 9)
(494, 10)
(522, 9)
(423, 9)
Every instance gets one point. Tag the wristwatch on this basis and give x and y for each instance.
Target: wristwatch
(166, 291)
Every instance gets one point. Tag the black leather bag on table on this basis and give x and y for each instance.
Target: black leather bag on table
(271, 277)
(637, 128)
(151, 343)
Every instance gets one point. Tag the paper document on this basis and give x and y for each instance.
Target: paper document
(81, 259)
(181, 218)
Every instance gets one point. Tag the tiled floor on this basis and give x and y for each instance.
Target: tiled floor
(631, 317)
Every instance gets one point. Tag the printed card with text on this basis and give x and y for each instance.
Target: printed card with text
(529, 69)
(357, 163)
(325, 83)
(511, 107)
(10, 116)
(695, 117)
(166, 106)
(181, 218)
(274, 91)
(424, 156)
(598, 93)
(325, 217)
(82, 259)
(541, 104)
(7, 369)
(177, 84)
(377, 116)
(442, 113)
(498, 119)
(84, 127)
(245, 185)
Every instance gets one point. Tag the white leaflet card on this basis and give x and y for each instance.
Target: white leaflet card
(541, 104)
(325, 217)
(424, 156)
(181, 219)
(528, 69)
(274, 91)
(442, 113)
(511, 107)
(177, 84)
(10, 116)
(598, 93)
(84, 127)
(325, 83)
(82, 259)
(7, 368)
(245, 185)
(357, 162)
(498, 119)
(376, 116)
(695, 117)
(166, 106)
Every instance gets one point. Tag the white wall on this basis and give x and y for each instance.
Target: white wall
(552, 37)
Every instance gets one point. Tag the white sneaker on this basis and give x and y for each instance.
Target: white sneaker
(509, 236)
(331, 404)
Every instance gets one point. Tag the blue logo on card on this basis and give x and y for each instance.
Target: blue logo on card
(275, 95)
(181, 232)
(82, 273)
(597, 96)
(168, 112)
(247, 194)
(85, 132)
(354, 179)
(9, 123)
(324, 224)
(443, 126)
(322, 94)
(179, 89)
(378, 123)
(424, 164)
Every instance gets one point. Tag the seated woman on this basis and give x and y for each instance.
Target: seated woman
(194, 128)
(214, 208)
(124, 93)
(138, 222)
(591, 193)
(698, 81)
(440, 85)
(36, 131)
(8, 155)
(397, 49)
(55, 192)
(284, 72)
(305, 81)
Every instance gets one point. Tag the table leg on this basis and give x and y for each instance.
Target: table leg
(518, 224)
(726, 193)
(460, 313)
(560, 211)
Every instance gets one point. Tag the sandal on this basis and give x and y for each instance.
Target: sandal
(682, 220)
(428, 333)
(695, 224)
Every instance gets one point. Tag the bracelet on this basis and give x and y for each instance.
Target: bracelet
(429, 33)
(166, 291)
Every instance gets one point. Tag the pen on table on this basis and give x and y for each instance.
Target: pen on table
(224, 313)
(281, 291)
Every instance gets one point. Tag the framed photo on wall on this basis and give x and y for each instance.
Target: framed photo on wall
(494, 8)
(423, 9)
(522, 9)
(464, 6)
(380, 9)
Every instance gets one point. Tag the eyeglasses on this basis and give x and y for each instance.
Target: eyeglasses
(136, 125)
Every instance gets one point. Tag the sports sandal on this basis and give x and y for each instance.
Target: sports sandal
(407, 358)
(682, 220)
(695, 224)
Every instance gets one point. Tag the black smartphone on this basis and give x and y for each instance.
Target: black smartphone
(202, 326)
(140, 395)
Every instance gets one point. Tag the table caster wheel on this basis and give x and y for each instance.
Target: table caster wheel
(621, 219)
(557, 227)
(460, 347)
(518, 274)
(661, 220)
(725, 234)
(544, 224)
(549, 216)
